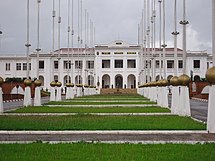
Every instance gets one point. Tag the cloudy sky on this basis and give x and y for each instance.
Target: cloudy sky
(112, 19)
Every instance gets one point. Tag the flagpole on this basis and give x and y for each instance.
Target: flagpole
(175, 34)
(184, 22)
(164, 40)
(38, 37)
(27, 38)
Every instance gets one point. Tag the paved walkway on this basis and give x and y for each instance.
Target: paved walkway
(145, 137)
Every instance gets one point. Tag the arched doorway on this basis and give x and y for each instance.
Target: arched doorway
(90, 80)
(118, 81)
(169, 77)
(197, 78)
(41, 78)
(131, 80)
(65, 80)
(106, 81)
(78, 79)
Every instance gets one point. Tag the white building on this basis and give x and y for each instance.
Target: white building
(115, 65)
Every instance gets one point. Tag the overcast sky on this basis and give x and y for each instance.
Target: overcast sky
(113, 19)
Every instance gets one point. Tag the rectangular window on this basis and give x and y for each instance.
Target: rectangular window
(18, 66)
(105, 63)
(118, 53)
(90, 64)
(148, 64)
(158, 64)
(7, 66)
(196, 64)
(131, 63)
(24, 66)
(180, 64)
(131, 52)
(105, 53)
(29, 66)
(67, 64)
(170, 64)
(41, 65)
(78, 64)
(55, 64)
(118, 63)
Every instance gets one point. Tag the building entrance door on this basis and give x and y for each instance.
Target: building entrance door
(118, 81)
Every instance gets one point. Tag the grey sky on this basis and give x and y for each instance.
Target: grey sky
(113, 19)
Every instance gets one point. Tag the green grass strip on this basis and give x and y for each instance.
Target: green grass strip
(92, 122)
(91, 110)
(106, 152)
(98, 103)
(114, 96)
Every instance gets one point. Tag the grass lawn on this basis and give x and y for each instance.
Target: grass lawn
(106, 152)
(45, 109)
(91, 122)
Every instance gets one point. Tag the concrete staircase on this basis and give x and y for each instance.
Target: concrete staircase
(118, 91)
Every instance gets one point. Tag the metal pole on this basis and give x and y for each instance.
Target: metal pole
(72, 41)
(152, 41)
(160, 41)
(213, 30)
(53, 42)
(53, 26)
(175, 34)
(184, 22)
(38, 36)
(68, 41)
(78, 80)
(164, 41)
(27, 39)
(59, 25)
(148, 41)
(145, 34)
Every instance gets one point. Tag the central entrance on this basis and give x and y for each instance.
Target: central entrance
(118, 81)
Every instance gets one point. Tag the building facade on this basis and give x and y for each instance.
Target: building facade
(114, 65)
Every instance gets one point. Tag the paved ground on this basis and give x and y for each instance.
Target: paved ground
(201, 137)
(198, 110)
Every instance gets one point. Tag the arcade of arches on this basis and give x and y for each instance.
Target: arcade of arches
(118, 81)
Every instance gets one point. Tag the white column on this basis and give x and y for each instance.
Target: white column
(58, 97)
(37, 97)
(175, 101)
(1, 101)
(211, 111)
(27, 97)
(165, 97)
(68, 92)
(184, 101)
(52, 94)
